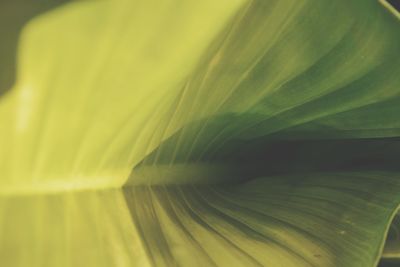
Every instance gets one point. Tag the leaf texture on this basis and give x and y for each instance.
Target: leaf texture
(202, 133)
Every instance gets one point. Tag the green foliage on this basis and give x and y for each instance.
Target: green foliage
(203, 133)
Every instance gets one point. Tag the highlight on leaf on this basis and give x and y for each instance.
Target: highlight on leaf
(202, 133)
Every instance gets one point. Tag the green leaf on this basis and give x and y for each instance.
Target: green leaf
(202, 133)
(13, 15)
(313, 219)
(96, 85)
(391, 252)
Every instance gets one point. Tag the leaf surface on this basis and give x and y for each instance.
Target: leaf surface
(242, 133)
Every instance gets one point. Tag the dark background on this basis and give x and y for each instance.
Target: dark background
(395, 3)
(14, 14)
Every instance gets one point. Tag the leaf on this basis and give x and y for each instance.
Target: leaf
(95, 88)
(243, 133)
(392, 245)
(13, 15)
(68, 229)
(335, 219)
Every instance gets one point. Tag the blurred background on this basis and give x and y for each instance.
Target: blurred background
(14, 14)
(395, 3)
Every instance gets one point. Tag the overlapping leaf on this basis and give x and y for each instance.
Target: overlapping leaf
(256, 133)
